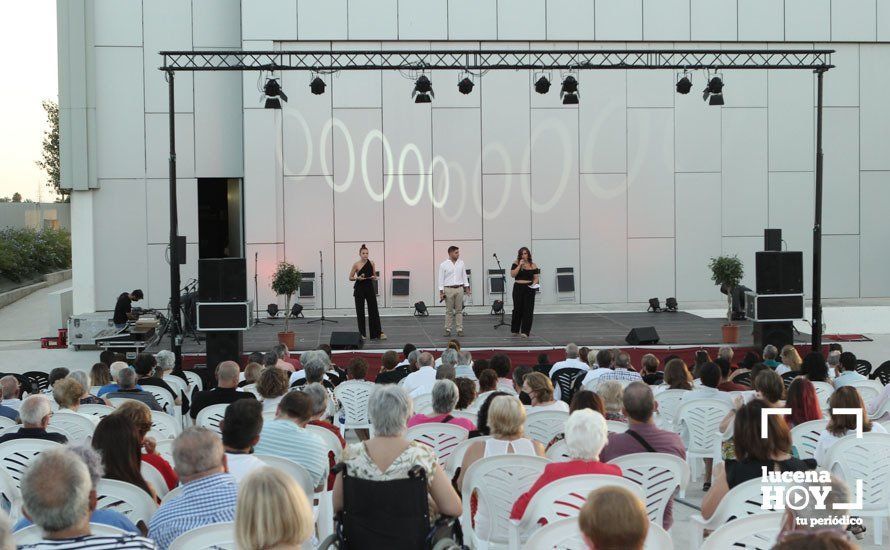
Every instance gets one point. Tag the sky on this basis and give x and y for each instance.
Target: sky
(30, 75)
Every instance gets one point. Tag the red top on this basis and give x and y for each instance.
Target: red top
(559, 470)
(331, 461)
(732, 386)
(164, 467)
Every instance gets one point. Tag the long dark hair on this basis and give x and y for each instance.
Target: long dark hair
(519, 255)
(119, 444)
(482, 417)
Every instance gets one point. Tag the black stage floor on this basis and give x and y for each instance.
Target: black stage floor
(549, 330)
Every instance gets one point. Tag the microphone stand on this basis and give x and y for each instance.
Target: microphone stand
(321, 319)
(256, 294)
(501, 323)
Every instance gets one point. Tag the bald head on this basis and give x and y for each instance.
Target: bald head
(227, 374)
(197, 452)
(639, 403)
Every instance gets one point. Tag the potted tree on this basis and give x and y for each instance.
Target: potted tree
(727, 271)
(285, 282)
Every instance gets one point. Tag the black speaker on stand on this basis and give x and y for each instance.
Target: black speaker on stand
(222, 281)
(223, 346)
(778, 333)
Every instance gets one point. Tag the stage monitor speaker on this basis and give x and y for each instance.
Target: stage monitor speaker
(222, 280)
(779, 272)
(778, 333)
(346, 340)
(223, 346)
(772, 240)
(181, 250)
(642, 336)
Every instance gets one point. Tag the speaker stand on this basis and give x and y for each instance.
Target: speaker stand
(501, 322)
(256, 294)
(321, 319)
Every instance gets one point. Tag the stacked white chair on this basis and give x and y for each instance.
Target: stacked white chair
(755, 532)
(217, 536)
(442, 438)
(823, 393)
(805, 436)
(561, 499)
(659, 474)
(354, 396)
(79, 428)
(868, 389)
(543, 426)
(100, 411)
(125, 498)
(210, 417)
(16, 455)
(565, 534)
(423, 404)
(743, 500)
(669, 402)
(698, 421)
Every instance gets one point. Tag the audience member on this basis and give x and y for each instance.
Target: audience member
(725, 352)
(11, 392)
(482, 427)
(612, 394)
(543, 366)
(272, 386)
(449, 358)
(833, 362)
(34, 413)
(446, 372)
(710, 379)
(501, 364)
(226, 390)
(540, 391)
(287, 436)
(421, 381)
(59, 496)
(390, 371)
(770, 356)
(126, 381)
(272, 512)
(209, 494)
(803, 402)
(583, 399)
(466, 393)
(702, 358)
(117, 441)
(282, 358)
(100, 374)
(270, 359)
(518, 378)
(573, 362)
(444, 399)
(406, 351)
(464, 366)
(815, 515)
(115, 370)
(623, 371)
(145, 366)
(252, 373)
(586, 435)
(241, 427)
(67, 393)
(842, 424)
(613, 518)
(108, 357)
(815, 368)
(751, 359)
(642, 435)
(676, 376)
(651, 374)
(480, 365)
(357, 369)
(254, 357)
(389, 408)
(768, 387)
(319, 396)
(139, 415)
(55, 375)
(83, 378)
(847, 371)
(725, 382)
(791, 360)
(818, 540)
(583, 353)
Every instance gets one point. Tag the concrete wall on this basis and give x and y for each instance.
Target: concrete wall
(19, 215)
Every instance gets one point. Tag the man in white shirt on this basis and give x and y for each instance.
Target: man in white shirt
(9, 385)
(603, 364)
(847, 371)
(422, 380)
(623, 371)
(710, 378)
(453, 283)
(572, 362)
(464, 367)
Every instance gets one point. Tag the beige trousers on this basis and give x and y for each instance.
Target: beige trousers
(454, 307)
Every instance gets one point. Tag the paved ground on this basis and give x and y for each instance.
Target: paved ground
(24, 322)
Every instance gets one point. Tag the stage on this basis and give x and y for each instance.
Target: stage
(550, 330)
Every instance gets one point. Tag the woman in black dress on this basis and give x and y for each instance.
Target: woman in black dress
(525, 274)
(364, 273)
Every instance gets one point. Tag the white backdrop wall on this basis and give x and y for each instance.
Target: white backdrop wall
(635, 188)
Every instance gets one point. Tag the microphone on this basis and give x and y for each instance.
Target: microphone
(495, 255)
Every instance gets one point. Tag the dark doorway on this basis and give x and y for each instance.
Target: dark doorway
(220, 233)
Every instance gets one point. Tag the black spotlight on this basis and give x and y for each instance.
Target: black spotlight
(296, 311)
(684, 85)
(654, 305)
(714, 91)
(317, 86)
(496, 307)
(420, 310)
(423, 89)
(272, 310)
(569, 91)
(542, 86)
(671, 304)
(274, 94)
(465, 86)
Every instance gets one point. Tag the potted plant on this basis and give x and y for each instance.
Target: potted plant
(285, 282)
(727, 271)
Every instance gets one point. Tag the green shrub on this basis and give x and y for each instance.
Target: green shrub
(27, 252)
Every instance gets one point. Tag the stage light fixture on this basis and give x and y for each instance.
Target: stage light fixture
(465, 86)
(542, 85)
(296, 310)
(496, 307)
(272, 310)
(654, 305)
(317, 86)
(670, 304)
(684, 85)
(420, 309)
(713, 93)
(569, 91)
(423, 90)
(274, 94)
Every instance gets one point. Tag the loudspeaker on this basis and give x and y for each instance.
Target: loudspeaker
(779, 333)
(225, 316)
(222, 280)
(223, 346)
(779, 272)
(180, 250)
(642, 335)
(772, 240)
(346, 340)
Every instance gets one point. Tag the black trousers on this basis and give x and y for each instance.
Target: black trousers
(523, 309)
(362, 294)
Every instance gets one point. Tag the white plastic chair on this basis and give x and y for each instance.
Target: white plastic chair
(698, 421)
(299, 473)
(210, 417)
(79, 428)
(166, 400)
(805, 436)
(164, 448)
(194, 380)
(6, 422)
(331, 441)
(758, 531)
(823, 393)
(16, 455)
(441, 437)
(543, 426)
(252, 389)
(175, 492)
(178, 384)
(868, 389)
(659, 474)
(100, 411)
(566, 535)
(561, 499)
(10, 496)
(456, 458)
(559, 451)
(125, 498)
(498, 481)
(155, 478)
(616, 426)
(165, 425)
(118, 401)
(216, 535)
(669, 402)
(33, 534)
(867, 459)
(743, 500)
(423, 404)
(472, 416)
(354, 396)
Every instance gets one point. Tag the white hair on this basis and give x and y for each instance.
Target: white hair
(56, 490)
(572, 351)
(449, 357)
(166, 360)
(197, 450)
(586, 434)
(116, 368)
(82, 378)
(389, 408)
(444, 396)
(34, 409)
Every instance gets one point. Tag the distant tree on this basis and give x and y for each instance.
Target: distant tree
(50, 161)
(5, 199)
(16, 197)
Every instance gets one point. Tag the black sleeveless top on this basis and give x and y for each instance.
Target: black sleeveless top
(525, 274)
(367, 272)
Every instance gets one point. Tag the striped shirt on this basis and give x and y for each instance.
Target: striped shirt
(94, 542)
(621, 375)
(286, 439)
(204, 501)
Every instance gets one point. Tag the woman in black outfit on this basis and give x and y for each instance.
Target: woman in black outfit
(525, 273)
(364, 273)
